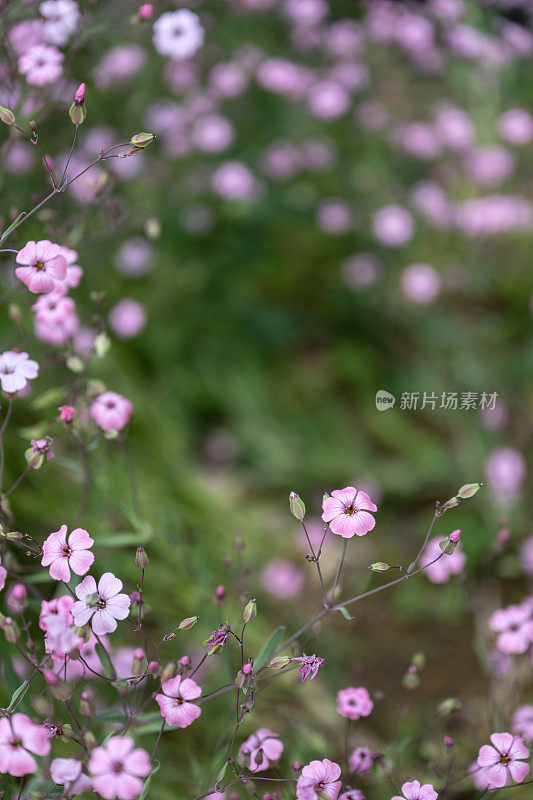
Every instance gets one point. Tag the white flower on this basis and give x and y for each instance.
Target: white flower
(60, 20)
(16, 369)
(178, 34)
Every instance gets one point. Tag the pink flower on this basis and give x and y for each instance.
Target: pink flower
(282, 579)
(41, 64)
(354, 703)
(445, 567)
(393, 226)
(175, 703)
(309, 666)
(117, 769)
(514, 626)
(66, 413)
(67, 772)
(523, 721)
(260, 748)
(111, 411)
(16, 369)
(43, 264)
(361, 760)
(353, 794)
(53, 308)
(3, 576)
(127, 318)
(347, 512)
(74, 271)
(103, 606)
(503, 760)
(178, 34)
(19, 737)
(319, 779)
(413, 791)
(62, 556)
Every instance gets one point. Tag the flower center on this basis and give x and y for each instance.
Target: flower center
(505, 759)
(118, 767)
(16, 743)
(349, 509)
(66, 551)
(39, 264)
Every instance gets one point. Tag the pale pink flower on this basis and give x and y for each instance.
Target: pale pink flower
(354, 702)
(63, 555)
(178, 34)
(67, 772)
(282, 579)
(43, 264)
(74, 271)
(506, 470)
(41, 64)
(393, 226)
(514, 626)
(234, 181)
(3, 576)
(111, 411)
(127, 319)
(319, 779)
(260, 749)
(16, 369)
(443, 569)
(420, 283)
(58, 623)
(102, 606)
(523, 721)
(53, 308)
(60, 20)
(412, 790)
(503, 759)
(516, 126)
(352, 794)
(361, 760)
(117, 769)
(175, 704)
(19, 738)
(347, 512)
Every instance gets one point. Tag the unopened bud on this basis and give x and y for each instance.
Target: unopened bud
(378, 566)
(220, 592)
(146, 11)
(101, 345)
(138, 663)
(87, 706)
(79, 97)
(455, 536)
(90, 740)
(62, 691)
(250, 611)
(454, 501)
(296, 766)
(33, 126)
(13, 536)
(296, 506)
(15, 313)
(469, 490)
(77, 114)
(188, 623)
(280, 662)
(16, 599)
(169, 671)
(248, 668)
(141, 140)
(448, 706)
(447, 546)
(141, 559)
(11, 631)
(66, 733)
(7, 116)
(448, 741)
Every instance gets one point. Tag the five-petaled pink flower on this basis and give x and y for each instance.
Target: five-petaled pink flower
(42, 264)
(412, 790)
(62, 554)
(319, 779)
(175, 703)
(16, 369)
(68, 772)
(260, 749)
(111, 411)
(117, 768)
(102, 606)
(19, 738)
(354, 702)
(514, 626)
(502, 760)
(347, 512)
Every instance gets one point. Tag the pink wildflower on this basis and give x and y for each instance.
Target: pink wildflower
(16, 369)
(353, 794)
(361, 760)
(319, 779)
(62, 555)
(412, 790)
(354, 703)
(41, 64)
(111, 411)
(347, 512)
(514, 626)
(67, 772)
(175, 703)
(102, 606)
(19, 738)
(260, 748)
(523, 721)
(66, 413)
(502, 759)
(117, 769)
(309, 666)
(42, 264)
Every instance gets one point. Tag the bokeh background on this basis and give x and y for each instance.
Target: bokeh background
(278, 299)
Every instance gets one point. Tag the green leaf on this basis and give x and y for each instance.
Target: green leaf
(269, 647)
(52, 396)
(104, 659)
(221, 773)
(8, 230)
(112, 715)
(18, 694)
(148, 780)
(345, 613)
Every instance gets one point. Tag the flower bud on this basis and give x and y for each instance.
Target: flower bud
(188, 623)
(66, 733)
(62, 691)
(296, 506)
(77, 111)
(138, 663)
(469, 490)
(141, 559)
(90, 740)
(11, 631)
(146, 11)
(153, 667)
(447, 546)
(279, 662)
(248, 668)
(448, 741)
(15, 313)
(220, 592)
(13, 536)
(455, 536)
(378, 566)
(296, 766)
(454, 501)
(250, 611)
(141, 140)
(87, 706)
(16, 599)
(101, 345)
(169, 671)
(7, 116)
(448, 706)
(419, 661)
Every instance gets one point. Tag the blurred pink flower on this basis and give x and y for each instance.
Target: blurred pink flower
(62, 554)
(516, 126)
(514, 626)
(19, 738)
(506, 470)
(319, 779)
(66, 413)
(178, 34)
(360, 761)
(412, 790)
(523, 721)
(420, 283)
(354, 702)
(111, 411)
(43, 264)
(175, 702)
(128, 318)
(261, 748)
(101, 606)
(445, 567)
(393, 226)
(282, 579)
(361, 271)
(117, 768)
(503, 759)
(328, 99)
(119, 64)
(67, 772)
(234, 181)
(347, 512)
(61, 19)
(41, 64)
(526, 556)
